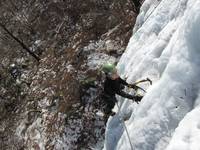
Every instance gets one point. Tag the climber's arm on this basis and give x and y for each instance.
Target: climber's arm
(126, 95)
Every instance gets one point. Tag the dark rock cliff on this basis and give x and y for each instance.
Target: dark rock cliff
(51, 103)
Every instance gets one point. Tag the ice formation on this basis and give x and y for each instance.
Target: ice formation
(165, 46)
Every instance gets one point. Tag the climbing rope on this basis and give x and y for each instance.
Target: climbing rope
(159, 1)
(126, 129)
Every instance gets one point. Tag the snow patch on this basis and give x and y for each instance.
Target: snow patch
(96, 60)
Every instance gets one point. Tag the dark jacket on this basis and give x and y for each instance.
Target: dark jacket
(112, 87)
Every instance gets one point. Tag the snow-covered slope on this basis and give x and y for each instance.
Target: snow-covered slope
(165, 47)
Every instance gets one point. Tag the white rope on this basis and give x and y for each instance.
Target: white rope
(125, 127)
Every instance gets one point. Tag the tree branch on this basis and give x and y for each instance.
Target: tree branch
(20, 42)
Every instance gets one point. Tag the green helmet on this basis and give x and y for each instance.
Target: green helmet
(108, 68)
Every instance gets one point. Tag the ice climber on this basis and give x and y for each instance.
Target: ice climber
(113, 84)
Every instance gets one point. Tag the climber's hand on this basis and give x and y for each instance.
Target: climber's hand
(137, 99)
(133, 86)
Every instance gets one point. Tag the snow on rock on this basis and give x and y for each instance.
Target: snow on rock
(165, 48)
(96, 60)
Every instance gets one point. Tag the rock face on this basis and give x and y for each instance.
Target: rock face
(50, 104)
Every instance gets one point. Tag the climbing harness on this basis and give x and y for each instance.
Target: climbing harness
(125, 127)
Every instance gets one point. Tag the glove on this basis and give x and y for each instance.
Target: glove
(132, 86)
(137, 99)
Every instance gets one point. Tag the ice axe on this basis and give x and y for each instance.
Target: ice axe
(135, 87)
(144, 80)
